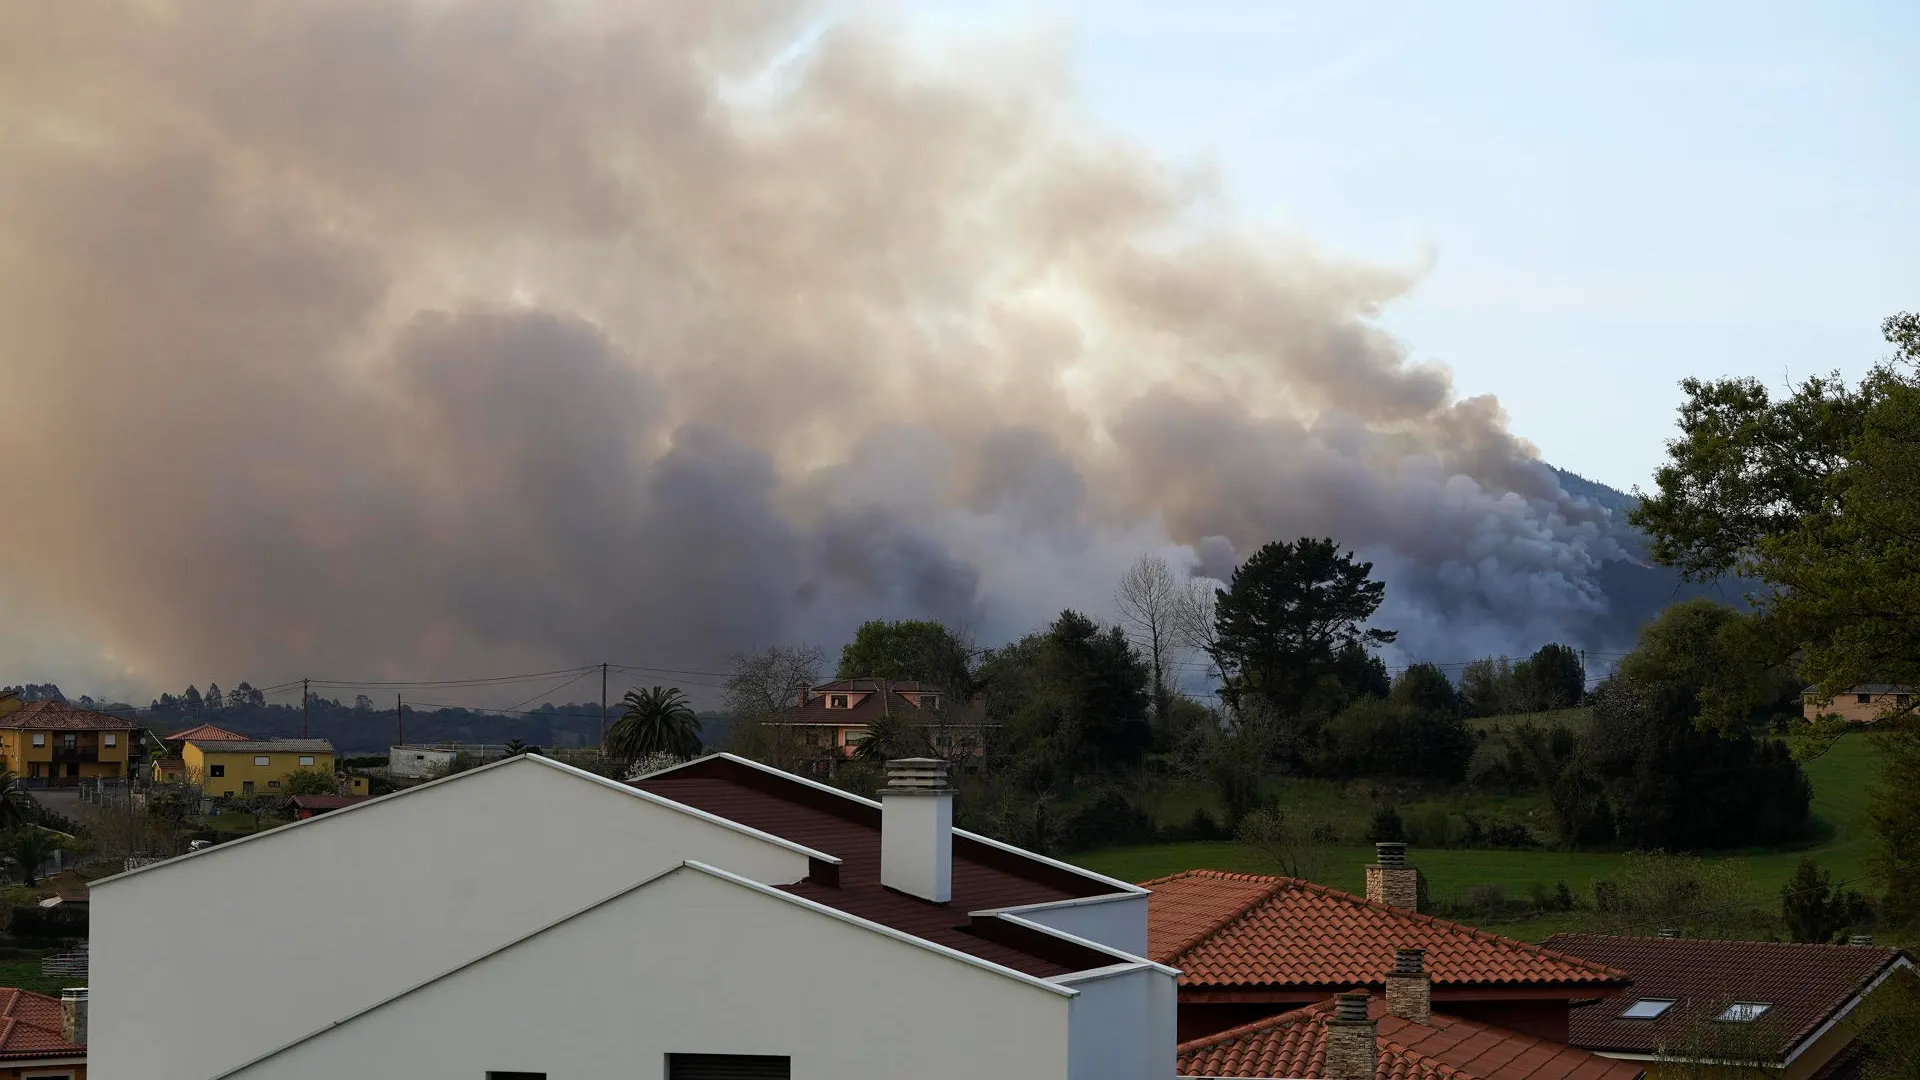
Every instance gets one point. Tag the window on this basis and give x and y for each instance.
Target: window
(246, 787)
(1899, 699)
(1863, 698)
(853, 736)
(39, 738)
(491, 1075)
(728, 1067)
(929, 701)
(306, 759)
(69, 742)
(112, 739)
(217, 770)
(273, 783)
(262, 759)
(1744, 1012)
(836, 701)
(1647, 1009)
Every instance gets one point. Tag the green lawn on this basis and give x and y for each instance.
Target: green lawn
(1576, 718)
(1841, 778)
(21, 970)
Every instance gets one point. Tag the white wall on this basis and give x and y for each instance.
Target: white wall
(1119, 922)
(1123, 1025)
(692, 963)
(275, 936)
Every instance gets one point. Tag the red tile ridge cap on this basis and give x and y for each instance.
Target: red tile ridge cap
(1281, 884)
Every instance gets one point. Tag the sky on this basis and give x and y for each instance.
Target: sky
(1612, 195)
(396, 339)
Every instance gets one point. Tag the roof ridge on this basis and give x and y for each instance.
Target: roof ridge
(1274, 888)
(1667, 942)
(1467, 931)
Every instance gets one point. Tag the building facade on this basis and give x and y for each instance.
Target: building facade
(1864, 704)
(57, 744)
(224, 768)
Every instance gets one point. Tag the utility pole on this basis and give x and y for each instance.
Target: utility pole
(399, 722)
(305, 707)
(603, 706)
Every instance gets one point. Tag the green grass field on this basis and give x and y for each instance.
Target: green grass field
(1841, 779)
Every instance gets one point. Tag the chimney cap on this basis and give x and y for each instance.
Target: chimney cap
(1390, 853)
(1669, 932)
(1350, 1008)
(1860, 939)
(74, 993)
(916, 774)
(1409, 961)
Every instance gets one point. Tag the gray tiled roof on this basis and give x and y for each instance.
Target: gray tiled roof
(263, 746)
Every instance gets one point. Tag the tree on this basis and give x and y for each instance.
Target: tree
(1894, 808)
(916, 650)
(17, 808)
(308, 782)
(214, 699)
(1706, 651)
(1817, 497)
(1073, 701)
(1289, 612)
(891, 736)
(1552, 678)
(191, 701)
(1816, 911)
(1486, 687)
(362, 703)
(1888, 1025)
(1427, 689)
(1149, 600)
(654, 721)
(762, 686)
(30, 846)
(1290, 849)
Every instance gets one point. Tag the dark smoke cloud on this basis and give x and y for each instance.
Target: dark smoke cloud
(398, 338)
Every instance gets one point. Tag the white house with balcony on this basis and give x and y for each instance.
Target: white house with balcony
(720, 919)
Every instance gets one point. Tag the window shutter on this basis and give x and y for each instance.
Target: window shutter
(728, 1067)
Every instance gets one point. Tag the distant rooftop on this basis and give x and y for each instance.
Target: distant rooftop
(263, 746)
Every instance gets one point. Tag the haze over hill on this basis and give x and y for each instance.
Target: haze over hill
(711, 326)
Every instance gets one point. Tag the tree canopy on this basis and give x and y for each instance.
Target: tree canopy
(1294, 613)
(656, 720)
(918, 650)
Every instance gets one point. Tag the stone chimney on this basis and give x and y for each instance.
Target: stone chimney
(1390, 880)
(1409, 987)
(1860, 939)
(73, 1015)
(1668, 932)
(916, 829)
(1353, 1041)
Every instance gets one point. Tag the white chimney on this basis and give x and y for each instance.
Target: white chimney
(916, 829)
(73, 1015)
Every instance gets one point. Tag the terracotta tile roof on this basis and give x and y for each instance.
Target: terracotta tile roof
(984, 876)
(62, 716)
(1805, 985)
(1225, 929)
(1293, 1044)
(875, 704)
(205, 733)
(904, 686)
(30, 1027)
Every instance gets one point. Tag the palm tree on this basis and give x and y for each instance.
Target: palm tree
(16, 806)
(654, 721)
(31, 847)
(892, 736)
(515, 748)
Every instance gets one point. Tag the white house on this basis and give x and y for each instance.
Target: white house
(721, 919)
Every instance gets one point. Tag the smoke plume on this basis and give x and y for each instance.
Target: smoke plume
(373, 336)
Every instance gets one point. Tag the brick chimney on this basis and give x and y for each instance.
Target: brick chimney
(1353, 1041)
(73, 1015)
(1409, 987)
(916, 829)
(1390, 880)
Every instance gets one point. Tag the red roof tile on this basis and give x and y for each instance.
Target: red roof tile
(984, 876)
(30, 1027)
(1293, 1044)
(205, 733)
(1241, 930)
(62, 716)
(1805, 985)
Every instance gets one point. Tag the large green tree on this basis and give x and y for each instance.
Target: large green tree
(917, 650)
(1709, 652)
(656, 720)
(1074, 700)
(1295, 613)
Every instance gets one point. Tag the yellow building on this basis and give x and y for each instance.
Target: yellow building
(60, 744)
(256, 766)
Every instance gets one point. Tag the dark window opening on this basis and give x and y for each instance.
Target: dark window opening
(216, 770)
(516, 1076)
(1863, 698)
(728, 1067)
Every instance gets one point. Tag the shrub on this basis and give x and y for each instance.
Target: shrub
(1386, 826)
(1109, 820)
(1429, 827)
(65, 922)
(1509, 834)
(1201, 826)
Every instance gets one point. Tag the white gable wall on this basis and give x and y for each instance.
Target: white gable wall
(693, 963)
(1123, 1024)
(1118, 921)
(203, 964)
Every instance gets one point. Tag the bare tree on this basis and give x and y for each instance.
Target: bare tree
(1193, 624)
(1149, 599)
(1290, 848)
(761, 687)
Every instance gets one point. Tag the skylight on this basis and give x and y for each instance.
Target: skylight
(1744, 1012)
(1647, 1009)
